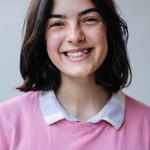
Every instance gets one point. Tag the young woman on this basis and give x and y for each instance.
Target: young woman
(74, 64)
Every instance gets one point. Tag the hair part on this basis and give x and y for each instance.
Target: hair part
(38, 71)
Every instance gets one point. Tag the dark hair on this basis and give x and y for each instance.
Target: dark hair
(38, 71)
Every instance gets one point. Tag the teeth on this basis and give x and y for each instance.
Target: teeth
(86, 51)
(78, 54)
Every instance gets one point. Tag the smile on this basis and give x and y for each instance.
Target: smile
(77, 53)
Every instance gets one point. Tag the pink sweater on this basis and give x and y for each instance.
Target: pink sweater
(22, 127)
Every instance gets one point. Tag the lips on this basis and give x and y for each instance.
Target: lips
(75, 53)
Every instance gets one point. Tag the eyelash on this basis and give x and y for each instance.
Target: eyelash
(56, 24)
(90, 19)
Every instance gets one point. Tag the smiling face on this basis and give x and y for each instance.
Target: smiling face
(76, 38)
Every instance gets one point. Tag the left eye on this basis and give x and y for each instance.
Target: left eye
(90, 20)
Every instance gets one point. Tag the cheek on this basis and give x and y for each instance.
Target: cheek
(98, 35)
(52, 42)
(99, 38)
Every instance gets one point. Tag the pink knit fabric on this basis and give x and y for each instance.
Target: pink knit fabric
(22, 127)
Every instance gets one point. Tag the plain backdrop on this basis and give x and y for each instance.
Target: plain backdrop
(134, 12)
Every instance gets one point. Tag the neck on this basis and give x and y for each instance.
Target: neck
(82, 98)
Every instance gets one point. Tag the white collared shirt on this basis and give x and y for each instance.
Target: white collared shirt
(112, 112)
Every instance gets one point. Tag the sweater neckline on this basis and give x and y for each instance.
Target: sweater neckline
(80, 126)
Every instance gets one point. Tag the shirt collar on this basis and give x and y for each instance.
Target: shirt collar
(112, 112)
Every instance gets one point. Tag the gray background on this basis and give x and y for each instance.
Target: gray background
(135, 12)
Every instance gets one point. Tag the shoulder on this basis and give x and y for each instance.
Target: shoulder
(14, 114)
(18, 101)
(136, 105)
(18, 105)
(136, 110)
(137, 122)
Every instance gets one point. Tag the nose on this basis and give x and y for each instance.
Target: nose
(75, 35)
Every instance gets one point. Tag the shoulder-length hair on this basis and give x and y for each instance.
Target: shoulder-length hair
(38, 71)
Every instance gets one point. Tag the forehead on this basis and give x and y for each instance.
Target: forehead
(71, 6)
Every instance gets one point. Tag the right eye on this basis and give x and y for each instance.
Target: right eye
(56, 24)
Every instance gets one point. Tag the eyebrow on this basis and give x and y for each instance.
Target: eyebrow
(84, 12)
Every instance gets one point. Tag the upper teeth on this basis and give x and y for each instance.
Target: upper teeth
(77, 54)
